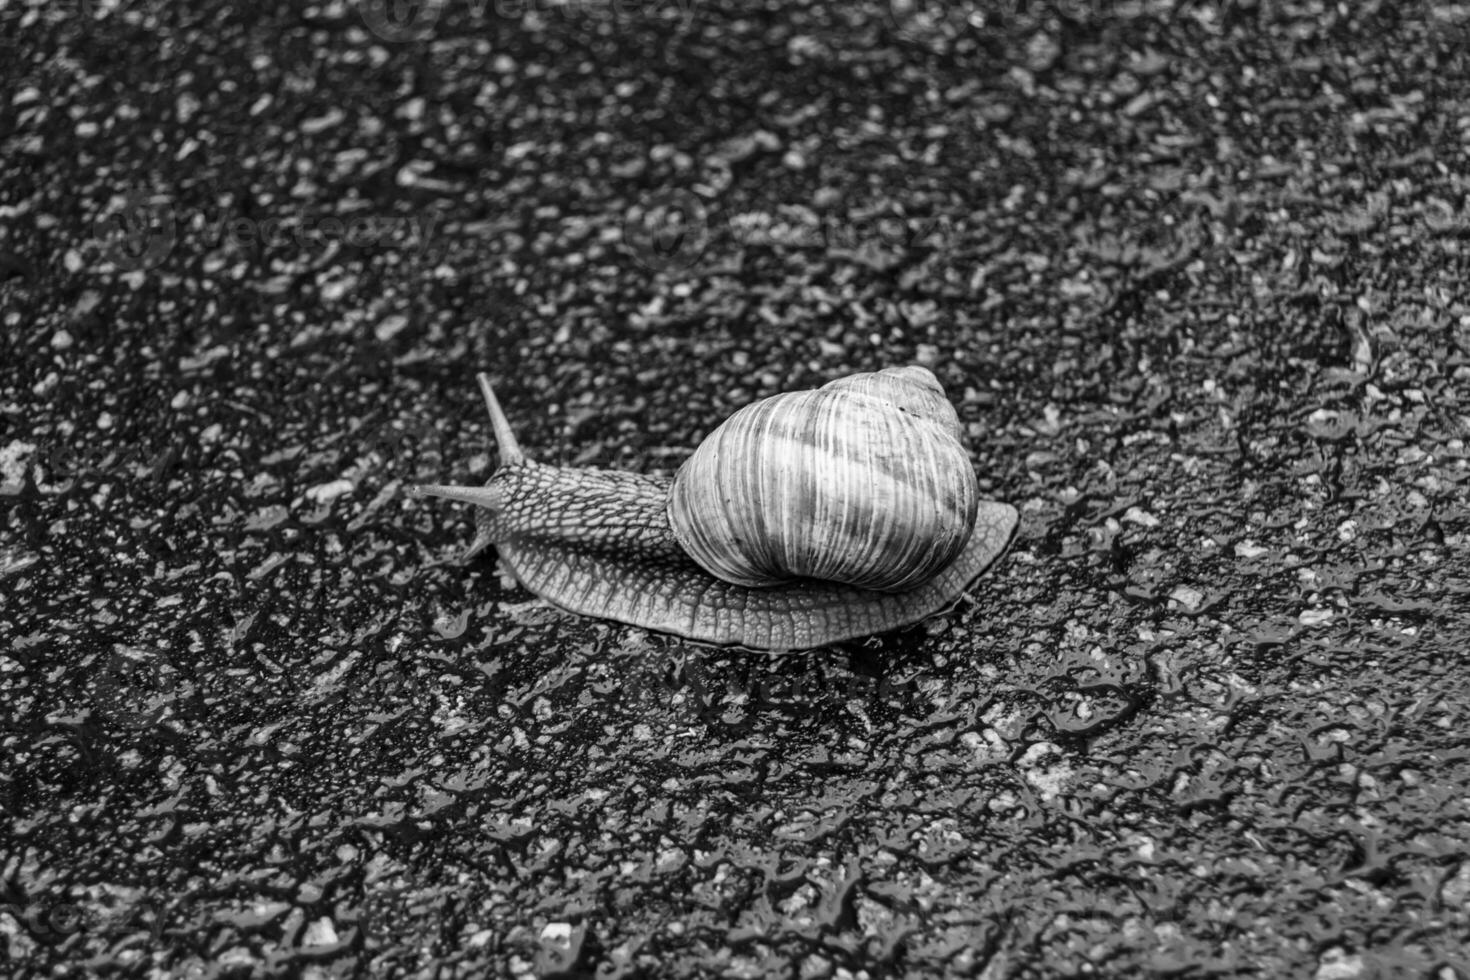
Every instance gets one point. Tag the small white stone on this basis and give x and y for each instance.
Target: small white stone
(12, 461)
(320, 933)
(1140, 517)
(390, 327)
(557, 932)
(1337, 965)
(335, 289)
(1187, 596)
(325, 492)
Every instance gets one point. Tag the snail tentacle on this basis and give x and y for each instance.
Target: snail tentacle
(505, 439)
(487, 497)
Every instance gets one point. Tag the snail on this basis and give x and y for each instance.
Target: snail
(805, 519)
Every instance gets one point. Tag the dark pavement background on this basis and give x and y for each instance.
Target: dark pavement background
(1193, 272)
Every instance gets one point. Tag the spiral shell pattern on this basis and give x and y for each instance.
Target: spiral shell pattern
(863, 481)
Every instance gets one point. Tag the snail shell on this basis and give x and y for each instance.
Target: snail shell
(864, 479)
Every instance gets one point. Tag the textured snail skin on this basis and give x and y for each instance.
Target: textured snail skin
(599, 543)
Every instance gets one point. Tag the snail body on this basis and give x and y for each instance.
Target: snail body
(805, 519)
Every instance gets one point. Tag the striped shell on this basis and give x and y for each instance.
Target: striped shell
(863, 482)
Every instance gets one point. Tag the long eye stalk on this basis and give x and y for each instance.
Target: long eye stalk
(480, 496)
(510, 450)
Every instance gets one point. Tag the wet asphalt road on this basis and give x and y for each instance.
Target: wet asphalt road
(1192, 272)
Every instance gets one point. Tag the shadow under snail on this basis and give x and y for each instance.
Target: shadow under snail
(807, 518)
